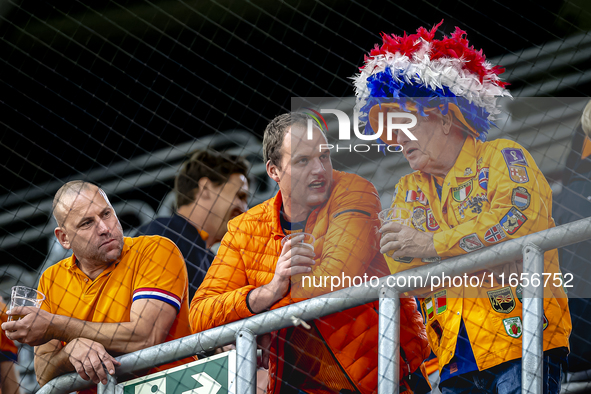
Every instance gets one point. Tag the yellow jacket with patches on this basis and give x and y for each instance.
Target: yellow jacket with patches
(495, 192)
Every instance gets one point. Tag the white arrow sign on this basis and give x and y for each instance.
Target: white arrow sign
(199, 373)
(210, 386)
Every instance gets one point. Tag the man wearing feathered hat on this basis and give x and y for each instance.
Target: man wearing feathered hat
(465, 194)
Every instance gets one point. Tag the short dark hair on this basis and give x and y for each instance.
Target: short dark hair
(275, 134)
(216, 166)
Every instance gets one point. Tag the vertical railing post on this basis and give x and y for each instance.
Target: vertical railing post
(246, 362)
(532, 313)
(389, 342)
(109, 388)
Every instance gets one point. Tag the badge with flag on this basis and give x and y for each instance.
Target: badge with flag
(520, 197)
(422, 198)
(494, 234)
(512, 221)
(429, 308)
(411, 196)
(441, 301)
(416, 195)
(501, 300)
(518, 174)
(460, 193)
(483, 178)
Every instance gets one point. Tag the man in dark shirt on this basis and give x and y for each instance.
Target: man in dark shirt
(211, 189)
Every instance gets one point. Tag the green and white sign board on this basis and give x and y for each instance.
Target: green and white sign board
(212, 375)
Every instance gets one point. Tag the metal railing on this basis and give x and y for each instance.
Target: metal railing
(531, 248)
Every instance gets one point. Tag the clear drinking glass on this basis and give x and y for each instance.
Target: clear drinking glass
(25, 296)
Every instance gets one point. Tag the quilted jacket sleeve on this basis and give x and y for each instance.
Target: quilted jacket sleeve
(413, 336)
(221, 298)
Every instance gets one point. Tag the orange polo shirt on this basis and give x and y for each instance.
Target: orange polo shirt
(150, 267)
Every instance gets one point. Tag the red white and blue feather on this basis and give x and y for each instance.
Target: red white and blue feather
(432, 73)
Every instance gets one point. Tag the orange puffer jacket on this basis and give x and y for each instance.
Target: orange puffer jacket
(339, 351)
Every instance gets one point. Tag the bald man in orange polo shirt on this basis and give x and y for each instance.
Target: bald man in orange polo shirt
(114, 295)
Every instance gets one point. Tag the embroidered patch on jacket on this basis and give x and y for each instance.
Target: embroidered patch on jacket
(460, 193)
(404, 260)
(520, 197)
(431, 259)
(468, 171)
(512, 221)
(416, 195)
(514, 156)
(419, 217)
(513, 326)
(483, 178)
(494, 234)
(430, 308)
(440, 301)
(470, 243)
(519, 293)
(518, 174)
(474, 203)
(422, 198)
(501, 300)
(432, 224)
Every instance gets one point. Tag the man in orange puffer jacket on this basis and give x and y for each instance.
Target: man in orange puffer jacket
(252, 272)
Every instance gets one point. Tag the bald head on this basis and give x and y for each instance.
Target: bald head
(88, 225)
(67, 194)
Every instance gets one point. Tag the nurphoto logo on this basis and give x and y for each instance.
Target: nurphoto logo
(345, 130)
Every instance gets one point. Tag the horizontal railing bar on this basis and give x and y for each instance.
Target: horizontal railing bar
(338, 301)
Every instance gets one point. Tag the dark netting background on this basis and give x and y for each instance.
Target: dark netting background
(117, 92)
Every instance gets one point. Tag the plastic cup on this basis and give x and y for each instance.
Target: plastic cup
(25, 296)
(306, 240)
(395, 214)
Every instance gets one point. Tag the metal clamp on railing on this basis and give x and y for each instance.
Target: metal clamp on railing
(530, 247)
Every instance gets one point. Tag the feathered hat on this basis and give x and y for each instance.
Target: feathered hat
(418, 73)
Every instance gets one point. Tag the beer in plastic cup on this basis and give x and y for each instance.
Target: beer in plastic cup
(24, 296)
